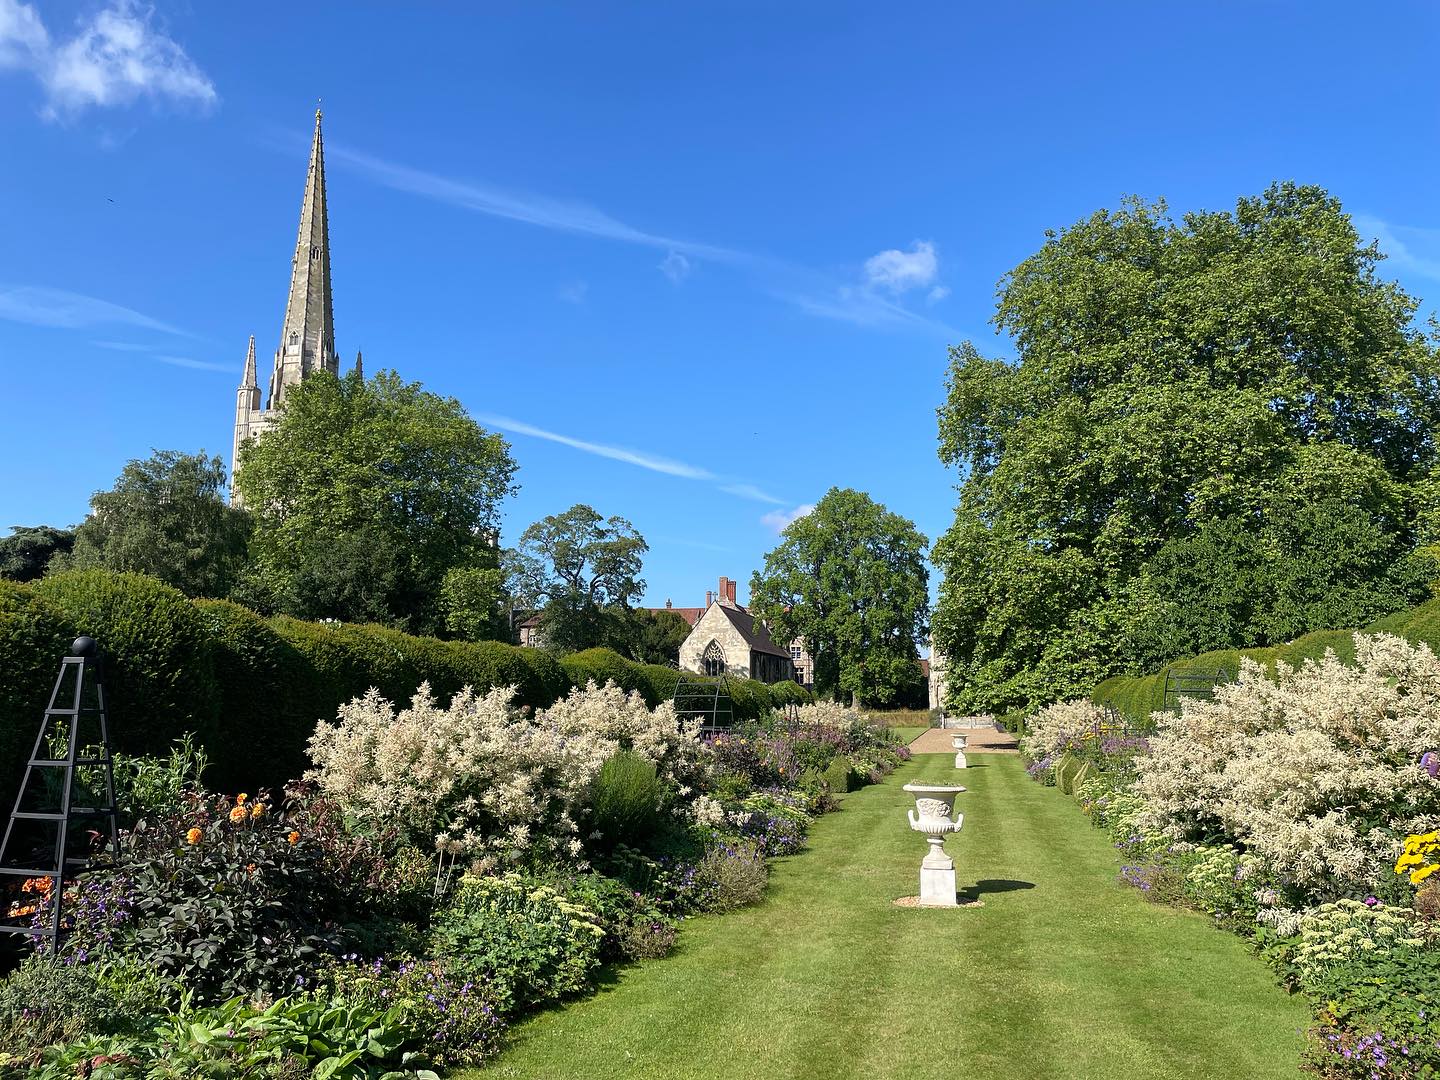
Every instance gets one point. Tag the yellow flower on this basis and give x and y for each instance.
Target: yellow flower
(294, 838)
(238, 814)
(1408, 859)
(240, 799)
(1417, 876)
(193, 836)
(257, 809)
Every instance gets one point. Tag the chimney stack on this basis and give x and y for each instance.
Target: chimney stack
(709, 598)
(731, 586)
(667, 603)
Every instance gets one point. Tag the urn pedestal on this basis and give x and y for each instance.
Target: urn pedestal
(935, 816)
(960, 742)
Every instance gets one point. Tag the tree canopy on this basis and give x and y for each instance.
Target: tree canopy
(1216, 433)
(26, 552)
(365, 495)
(850, 578)
(582, 572)
(166, 516)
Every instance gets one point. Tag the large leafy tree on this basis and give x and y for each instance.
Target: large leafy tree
(1215, 434)
(167, 517)
(582, 572)
(366, 494)
(850, 578)
(26, 552)
(653, 637)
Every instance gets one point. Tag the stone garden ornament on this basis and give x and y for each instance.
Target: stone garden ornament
(960, 742)
(935, 816)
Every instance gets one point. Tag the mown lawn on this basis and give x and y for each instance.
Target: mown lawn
(908, 734)
(1063, 974)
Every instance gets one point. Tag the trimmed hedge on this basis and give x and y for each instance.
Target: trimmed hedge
(1137, 696)
(252, 689)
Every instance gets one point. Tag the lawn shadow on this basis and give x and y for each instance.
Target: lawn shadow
(993, 885)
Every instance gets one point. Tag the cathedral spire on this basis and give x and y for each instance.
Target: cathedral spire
(359, 365)
(247, 381)
(307, 339)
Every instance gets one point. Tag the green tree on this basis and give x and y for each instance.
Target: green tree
(653, 637)
(26, 552)
(850, 578)
(476, 603)
(365, 495)
(1214, 434)
(582, 572)
(166, 516)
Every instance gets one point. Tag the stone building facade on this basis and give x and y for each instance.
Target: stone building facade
(307, 336)
(728, 640)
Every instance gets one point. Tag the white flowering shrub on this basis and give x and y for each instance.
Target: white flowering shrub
(1049, 730)
(486, 780)
(1315, 770)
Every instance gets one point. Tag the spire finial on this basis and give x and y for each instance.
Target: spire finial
(317, 109)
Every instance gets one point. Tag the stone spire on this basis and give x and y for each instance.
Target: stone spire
(359, 365)
(247, 414)
(307, 340)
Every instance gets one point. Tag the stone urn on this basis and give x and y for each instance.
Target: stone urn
(960, 742)
(934, 815)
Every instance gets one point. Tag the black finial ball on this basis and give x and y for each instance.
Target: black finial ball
(84, 646)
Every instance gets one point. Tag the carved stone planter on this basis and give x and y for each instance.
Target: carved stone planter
(935, 816)
(960, 742)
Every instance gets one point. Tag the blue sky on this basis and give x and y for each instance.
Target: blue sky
(699, 262)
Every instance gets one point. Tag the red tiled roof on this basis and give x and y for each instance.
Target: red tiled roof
(690, 614)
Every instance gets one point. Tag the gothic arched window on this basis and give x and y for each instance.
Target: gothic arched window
(714, 659)
(294, 338)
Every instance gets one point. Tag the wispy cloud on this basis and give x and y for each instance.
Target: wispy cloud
(121, 346)
(685, 541)
(639, 458)
(574, 292)
(778, 520)
(821, 295)
(676, 267)
(116, 57)
(38, 306)
(566, 215)
(198, 365)
(1408, 247)
(750, 491)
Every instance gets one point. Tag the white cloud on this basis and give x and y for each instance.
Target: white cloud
(198, 365)
(117, 56)
(616, 453)
(900, 271)
(23, 38)
(56, 307)
(1407, 247)
(938, 293)
(779, 520)
(121, 346)
(750, 491)
(575, 292)
(675, 266)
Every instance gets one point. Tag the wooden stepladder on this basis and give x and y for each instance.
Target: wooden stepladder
(69, 778)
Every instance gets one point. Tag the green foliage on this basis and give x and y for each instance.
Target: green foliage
(225, 898)
(33, 638)
(635, 927)
(159, 660)
(625, 799)
(604, 665)
(475, 603)
(519, 936)
(654, 637)
(838, 776)
(582, 572)
(26, 552)
(148, 786)
(1216, 434)
(43, 1003)
(1140, 695)
(291, 1039)
(849, 578)
(365, 494)
(166, 517)
(730, 875)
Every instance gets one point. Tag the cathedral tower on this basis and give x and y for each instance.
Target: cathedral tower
(307, 336)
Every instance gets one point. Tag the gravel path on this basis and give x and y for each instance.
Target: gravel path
(983, 740)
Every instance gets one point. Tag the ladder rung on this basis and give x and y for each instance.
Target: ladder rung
(82, 811)
(53, 763)
(20, 871)
(38, 932)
